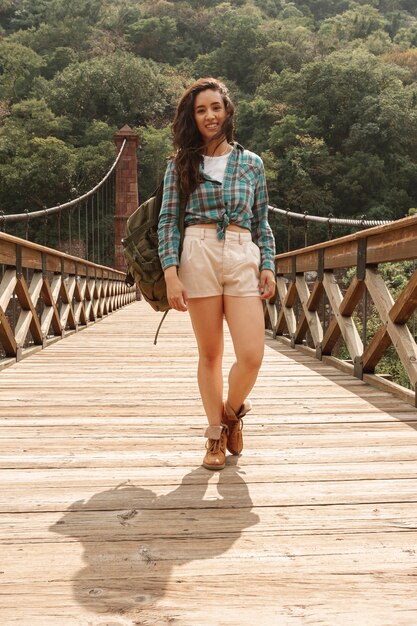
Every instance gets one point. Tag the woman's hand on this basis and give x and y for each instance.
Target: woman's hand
(177, 296)
(267, 284)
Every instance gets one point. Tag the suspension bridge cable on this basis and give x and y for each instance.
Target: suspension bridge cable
(21, 217)
(329, 220)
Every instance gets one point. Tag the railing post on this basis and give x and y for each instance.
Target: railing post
(294, 280)
(126, 190)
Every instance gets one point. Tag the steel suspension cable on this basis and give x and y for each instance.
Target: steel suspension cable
(20, 217)
(328, 220)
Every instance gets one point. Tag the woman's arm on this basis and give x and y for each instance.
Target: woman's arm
(263, 237)
(168, 229)
(169, 239)
(261, 230)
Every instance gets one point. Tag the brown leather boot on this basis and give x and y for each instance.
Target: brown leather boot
(234, 422)
(215, 458)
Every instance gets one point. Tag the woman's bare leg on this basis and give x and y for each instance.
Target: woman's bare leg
(245, 319)
(207, 320)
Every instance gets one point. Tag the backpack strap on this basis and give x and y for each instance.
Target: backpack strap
(159, 327)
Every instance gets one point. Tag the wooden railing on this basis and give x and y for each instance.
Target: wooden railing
(46, 294)
(308, 282)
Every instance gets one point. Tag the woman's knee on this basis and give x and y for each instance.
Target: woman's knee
(250, 360)
(210, 359)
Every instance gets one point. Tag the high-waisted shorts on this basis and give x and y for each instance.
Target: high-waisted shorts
(211, 267)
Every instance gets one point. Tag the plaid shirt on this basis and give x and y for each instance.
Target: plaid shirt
(241, 199)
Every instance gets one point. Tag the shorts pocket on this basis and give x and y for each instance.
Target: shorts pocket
(192, 254)
(256, 252)
(185, 252)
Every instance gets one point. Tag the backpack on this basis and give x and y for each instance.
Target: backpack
(141, 251)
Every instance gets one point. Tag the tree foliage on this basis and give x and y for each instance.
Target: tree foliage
(326, 93)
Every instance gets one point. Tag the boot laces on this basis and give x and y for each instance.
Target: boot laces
(213, 445)
(236, 424)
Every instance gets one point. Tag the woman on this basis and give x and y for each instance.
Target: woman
(227, 261)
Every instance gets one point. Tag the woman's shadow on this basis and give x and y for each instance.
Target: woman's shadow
(134, 538)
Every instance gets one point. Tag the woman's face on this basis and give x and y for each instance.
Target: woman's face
(209, 113)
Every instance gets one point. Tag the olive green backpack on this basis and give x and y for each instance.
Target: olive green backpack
(141, 251)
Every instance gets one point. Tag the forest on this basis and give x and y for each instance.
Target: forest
(326, 93)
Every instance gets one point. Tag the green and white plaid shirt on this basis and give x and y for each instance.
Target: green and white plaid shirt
(241, 199)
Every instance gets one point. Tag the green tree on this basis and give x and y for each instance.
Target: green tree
(154, 37)
(26, 14)
(18, 67)
(72, 32)
(405, 59)
(253, 121)
(40, 174)
(326, 92)
(286, 132)
(365, 122)
(29, 14)
(356, 23)
(191, 20)
(238, 54)
(302, 176)
(92, 161)
(119, 88)
(33, 118)
(6, 14)
(155, 145)
(321, 9)
(388, 6)
(290, 44)
(270, 8)
(117, 17)
(407, 37)
(333, 90)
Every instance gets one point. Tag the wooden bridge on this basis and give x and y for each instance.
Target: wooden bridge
(107, 517)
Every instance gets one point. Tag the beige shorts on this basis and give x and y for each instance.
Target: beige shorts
(212, 267)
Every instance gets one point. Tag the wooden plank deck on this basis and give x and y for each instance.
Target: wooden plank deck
(108, 519)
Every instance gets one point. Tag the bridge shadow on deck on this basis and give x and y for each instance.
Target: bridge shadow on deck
(132, 538)
(331, 503)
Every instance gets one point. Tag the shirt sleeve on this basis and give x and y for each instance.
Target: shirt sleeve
(261, 231)
(168, 229)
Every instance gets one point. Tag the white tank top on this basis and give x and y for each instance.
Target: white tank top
(215, 166)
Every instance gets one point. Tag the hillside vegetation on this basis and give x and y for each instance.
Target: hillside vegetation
(326, 90)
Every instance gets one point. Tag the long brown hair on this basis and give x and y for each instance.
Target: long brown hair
(186, 136)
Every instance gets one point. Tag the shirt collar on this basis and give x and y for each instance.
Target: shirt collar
(234, 156)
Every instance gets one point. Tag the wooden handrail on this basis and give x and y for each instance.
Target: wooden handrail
(32, 258)
(384, 244)
(46, 294)
(295, 310)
